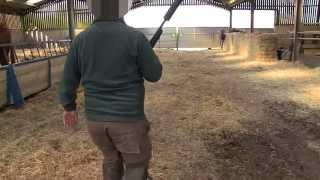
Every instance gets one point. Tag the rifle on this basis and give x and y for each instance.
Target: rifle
(166, 18)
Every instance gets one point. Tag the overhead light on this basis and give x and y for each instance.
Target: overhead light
(33, 1)
(23, 3)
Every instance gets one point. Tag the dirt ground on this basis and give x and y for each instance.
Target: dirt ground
(213, 117)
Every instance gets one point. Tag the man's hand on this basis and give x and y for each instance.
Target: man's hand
(70, 119)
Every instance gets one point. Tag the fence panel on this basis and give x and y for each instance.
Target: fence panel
(57, 65)
(3, 87)
(33, 77)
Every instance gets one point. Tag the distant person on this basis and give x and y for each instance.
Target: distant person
(222, 38)
(112, 60)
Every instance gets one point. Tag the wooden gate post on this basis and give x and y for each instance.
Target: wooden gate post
(297, 23)
(70, 6)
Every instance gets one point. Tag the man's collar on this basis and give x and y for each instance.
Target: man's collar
(121, 20)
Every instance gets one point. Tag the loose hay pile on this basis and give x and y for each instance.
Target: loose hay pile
(212, 118)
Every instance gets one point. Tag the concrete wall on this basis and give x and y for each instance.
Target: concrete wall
(200, 37)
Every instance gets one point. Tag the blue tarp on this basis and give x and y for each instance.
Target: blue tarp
(13, 89)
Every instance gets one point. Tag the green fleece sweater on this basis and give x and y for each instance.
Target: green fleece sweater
(111, 60)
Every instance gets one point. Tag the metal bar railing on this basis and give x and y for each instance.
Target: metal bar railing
(310, 32)
(31, 43)
(305, 40)
(20, 52)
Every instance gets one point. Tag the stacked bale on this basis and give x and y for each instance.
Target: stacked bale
(267, 45)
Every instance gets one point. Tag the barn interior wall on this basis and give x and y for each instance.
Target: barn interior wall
(51, 19)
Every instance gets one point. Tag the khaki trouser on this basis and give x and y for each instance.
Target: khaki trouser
(126, 148)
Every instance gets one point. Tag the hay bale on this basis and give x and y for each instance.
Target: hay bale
(267, 45)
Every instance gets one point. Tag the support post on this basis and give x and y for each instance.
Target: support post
(70, 7)
(297, 23)
(49, 73)
(253, 7)
(277, 18)
(318, 14)
(177, 38)
(230, 25)
(124, 6)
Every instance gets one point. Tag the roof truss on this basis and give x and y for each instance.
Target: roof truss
(21, 7)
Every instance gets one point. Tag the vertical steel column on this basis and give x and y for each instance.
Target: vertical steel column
(318, 13)
(297, 23)
(49, 73)
(70, 7)
(230, 25)
(253, 7)
(124, 6)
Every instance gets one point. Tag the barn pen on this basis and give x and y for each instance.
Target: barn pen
(249, 110)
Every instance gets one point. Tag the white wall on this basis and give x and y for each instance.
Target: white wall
(198, 16)
(185, 16)
(262, 19)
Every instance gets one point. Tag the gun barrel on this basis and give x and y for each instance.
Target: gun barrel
(156, 37)
(172, 9)
(167, 17)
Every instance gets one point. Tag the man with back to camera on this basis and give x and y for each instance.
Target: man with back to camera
(112, 60)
